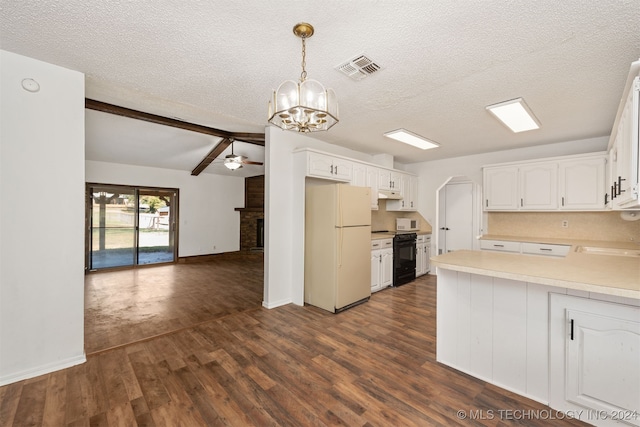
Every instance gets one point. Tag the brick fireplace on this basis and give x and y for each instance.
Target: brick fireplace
(252, 215)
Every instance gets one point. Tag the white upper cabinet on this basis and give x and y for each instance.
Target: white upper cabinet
(389, 180)
(409, 190)
(624, 149)
(582, 183)
(359, 175)
(539, 186)
(501, 188)
(317, 164)
(325, 166)
(372, 182)
(560, 183)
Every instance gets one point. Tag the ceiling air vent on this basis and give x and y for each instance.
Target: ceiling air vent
(359, 67)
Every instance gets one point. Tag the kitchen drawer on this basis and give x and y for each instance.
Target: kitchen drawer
(543, 249)
(381, 244)
(423, 238)
(500, 245)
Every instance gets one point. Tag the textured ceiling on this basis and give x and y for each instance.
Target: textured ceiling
(216, 62)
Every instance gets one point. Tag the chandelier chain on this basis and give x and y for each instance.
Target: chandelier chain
(303, 75)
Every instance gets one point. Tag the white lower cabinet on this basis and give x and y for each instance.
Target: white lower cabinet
(381, 264)
(579, 355)
(423, 253)
(492, 328)
(595, 360)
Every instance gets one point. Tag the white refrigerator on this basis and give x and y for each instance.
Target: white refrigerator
(337, 258)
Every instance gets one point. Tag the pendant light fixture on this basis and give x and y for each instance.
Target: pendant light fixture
(304, 106)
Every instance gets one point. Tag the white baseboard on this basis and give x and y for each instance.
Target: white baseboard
(42, 370)
(275, 304)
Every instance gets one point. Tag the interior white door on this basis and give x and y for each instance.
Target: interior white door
(456, 231)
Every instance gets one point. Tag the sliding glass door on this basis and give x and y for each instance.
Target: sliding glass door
(156, 230)
(131, 226)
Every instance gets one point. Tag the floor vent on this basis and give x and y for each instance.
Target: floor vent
(359, 67)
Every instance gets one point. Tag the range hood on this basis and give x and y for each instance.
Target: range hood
(389, 194)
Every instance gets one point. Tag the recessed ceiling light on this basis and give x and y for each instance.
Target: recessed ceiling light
(410, 138)
(515, 114)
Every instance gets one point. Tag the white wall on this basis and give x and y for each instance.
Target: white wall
(208, 223)
(41, 219)
(435, 173)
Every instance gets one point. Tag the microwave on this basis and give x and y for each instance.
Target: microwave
(407, 224)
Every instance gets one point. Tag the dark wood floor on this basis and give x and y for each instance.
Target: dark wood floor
(127, 306)
(372, 365)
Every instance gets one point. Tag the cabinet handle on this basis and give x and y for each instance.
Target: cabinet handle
(521, 202)
(563, 201)
(336, 170)
(486, 203)
(331, 169)
(613, 191)
(606, 199)
(546, 249)
(571, 329)
(498, 246)
(620, 190)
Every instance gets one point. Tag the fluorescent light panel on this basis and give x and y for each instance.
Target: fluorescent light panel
(407, 137)
(515, 114)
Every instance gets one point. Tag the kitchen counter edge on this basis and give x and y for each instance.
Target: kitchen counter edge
(609, 275)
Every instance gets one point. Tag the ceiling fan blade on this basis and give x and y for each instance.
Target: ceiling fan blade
(249, 162)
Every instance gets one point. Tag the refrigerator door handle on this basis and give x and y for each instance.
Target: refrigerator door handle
(340, 243)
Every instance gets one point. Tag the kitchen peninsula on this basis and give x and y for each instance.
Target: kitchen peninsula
(564, 331)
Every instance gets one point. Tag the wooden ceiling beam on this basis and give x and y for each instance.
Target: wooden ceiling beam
(251, 138)
(213, 154)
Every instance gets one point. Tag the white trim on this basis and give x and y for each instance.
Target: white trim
(275, 304)
(42, 370)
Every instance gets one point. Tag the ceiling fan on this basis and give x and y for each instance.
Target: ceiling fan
(233, 162)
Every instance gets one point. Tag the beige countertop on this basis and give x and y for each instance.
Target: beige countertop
(605, 274)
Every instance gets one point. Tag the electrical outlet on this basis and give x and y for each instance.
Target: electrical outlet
(565, 223)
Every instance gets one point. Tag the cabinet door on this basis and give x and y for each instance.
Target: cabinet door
(582, 184)
(627, 142)
(342, 169)
(320, 165)
(427, 257)
(384, 179)
(413, 191)
(323, 166)
(372, 182)
(419, 259)
(539, 186)
(603, 366)
(359, 175)
(500, 186)
(387, 268)
(376, 269)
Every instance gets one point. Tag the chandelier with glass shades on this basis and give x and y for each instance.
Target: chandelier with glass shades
(304, 106)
